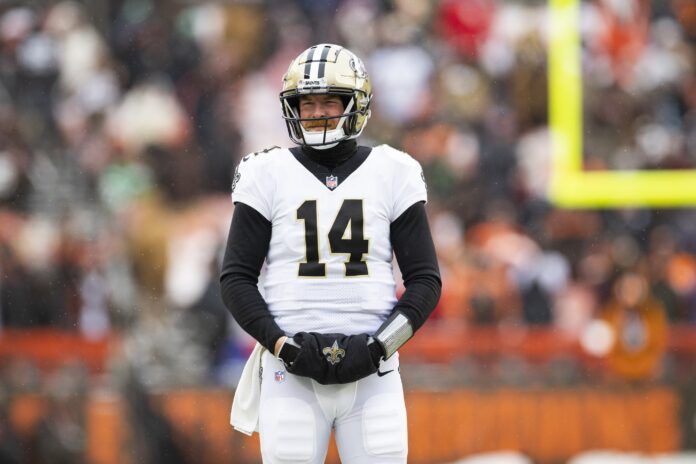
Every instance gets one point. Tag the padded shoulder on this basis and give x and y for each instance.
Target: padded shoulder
(396, 156)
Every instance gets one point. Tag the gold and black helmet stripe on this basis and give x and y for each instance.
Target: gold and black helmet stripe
(322, 61)
(308, 61)
(315, 62)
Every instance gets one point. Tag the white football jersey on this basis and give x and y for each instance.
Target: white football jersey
(329, 262)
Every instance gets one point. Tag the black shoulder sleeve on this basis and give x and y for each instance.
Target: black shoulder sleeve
(247, 246)
(415, 253)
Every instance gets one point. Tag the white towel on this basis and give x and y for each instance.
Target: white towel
(244, 416)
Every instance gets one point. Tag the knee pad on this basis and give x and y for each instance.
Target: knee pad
(384, 426)
(288, 432)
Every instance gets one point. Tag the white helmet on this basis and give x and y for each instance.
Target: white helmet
(327, 69)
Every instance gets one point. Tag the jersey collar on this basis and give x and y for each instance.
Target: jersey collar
(331, 178)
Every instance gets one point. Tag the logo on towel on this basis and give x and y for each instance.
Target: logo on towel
(280, 376)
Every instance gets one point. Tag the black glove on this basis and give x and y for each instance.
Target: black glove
(334, 358)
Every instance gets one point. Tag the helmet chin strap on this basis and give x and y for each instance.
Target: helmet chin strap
(323, 147)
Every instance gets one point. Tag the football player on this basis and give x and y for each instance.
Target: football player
(327, 217)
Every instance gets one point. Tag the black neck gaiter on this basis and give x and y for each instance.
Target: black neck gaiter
(332, 157)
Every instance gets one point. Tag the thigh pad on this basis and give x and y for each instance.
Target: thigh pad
(384, 426)
(289, 432)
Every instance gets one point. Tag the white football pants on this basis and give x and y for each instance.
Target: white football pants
(297, 415)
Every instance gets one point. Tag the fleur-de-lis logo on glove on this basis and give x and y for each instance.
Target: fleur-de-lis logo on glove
(334, 354)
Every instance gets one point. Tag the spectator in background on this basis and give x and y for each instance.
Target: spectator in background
(639, 324)
(465, 24)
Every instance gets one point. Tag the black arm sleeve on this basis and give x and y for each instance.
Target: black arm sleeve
(415, 253)
(247, 245)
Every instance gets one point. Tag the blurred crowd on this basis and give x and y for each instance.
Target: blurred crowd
(121, 122)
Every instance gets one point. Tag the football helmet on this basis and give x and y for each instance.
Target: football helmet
(326, 69)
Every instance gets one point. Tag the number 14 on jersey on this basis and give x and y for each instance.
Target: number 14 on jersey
(346, 236)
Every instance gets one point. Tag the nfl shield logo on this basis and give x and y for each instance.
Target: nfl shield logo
(331, 182)
(280, 376)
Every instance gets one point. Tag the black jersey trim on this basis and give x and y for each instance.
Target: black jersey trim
(341, 172)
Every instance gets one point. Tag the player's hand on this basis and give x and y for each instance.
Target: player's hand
(335, 358)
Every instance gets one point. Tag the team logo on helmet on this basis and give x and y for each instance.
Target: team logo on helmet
(358, 67)
(334, 354)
